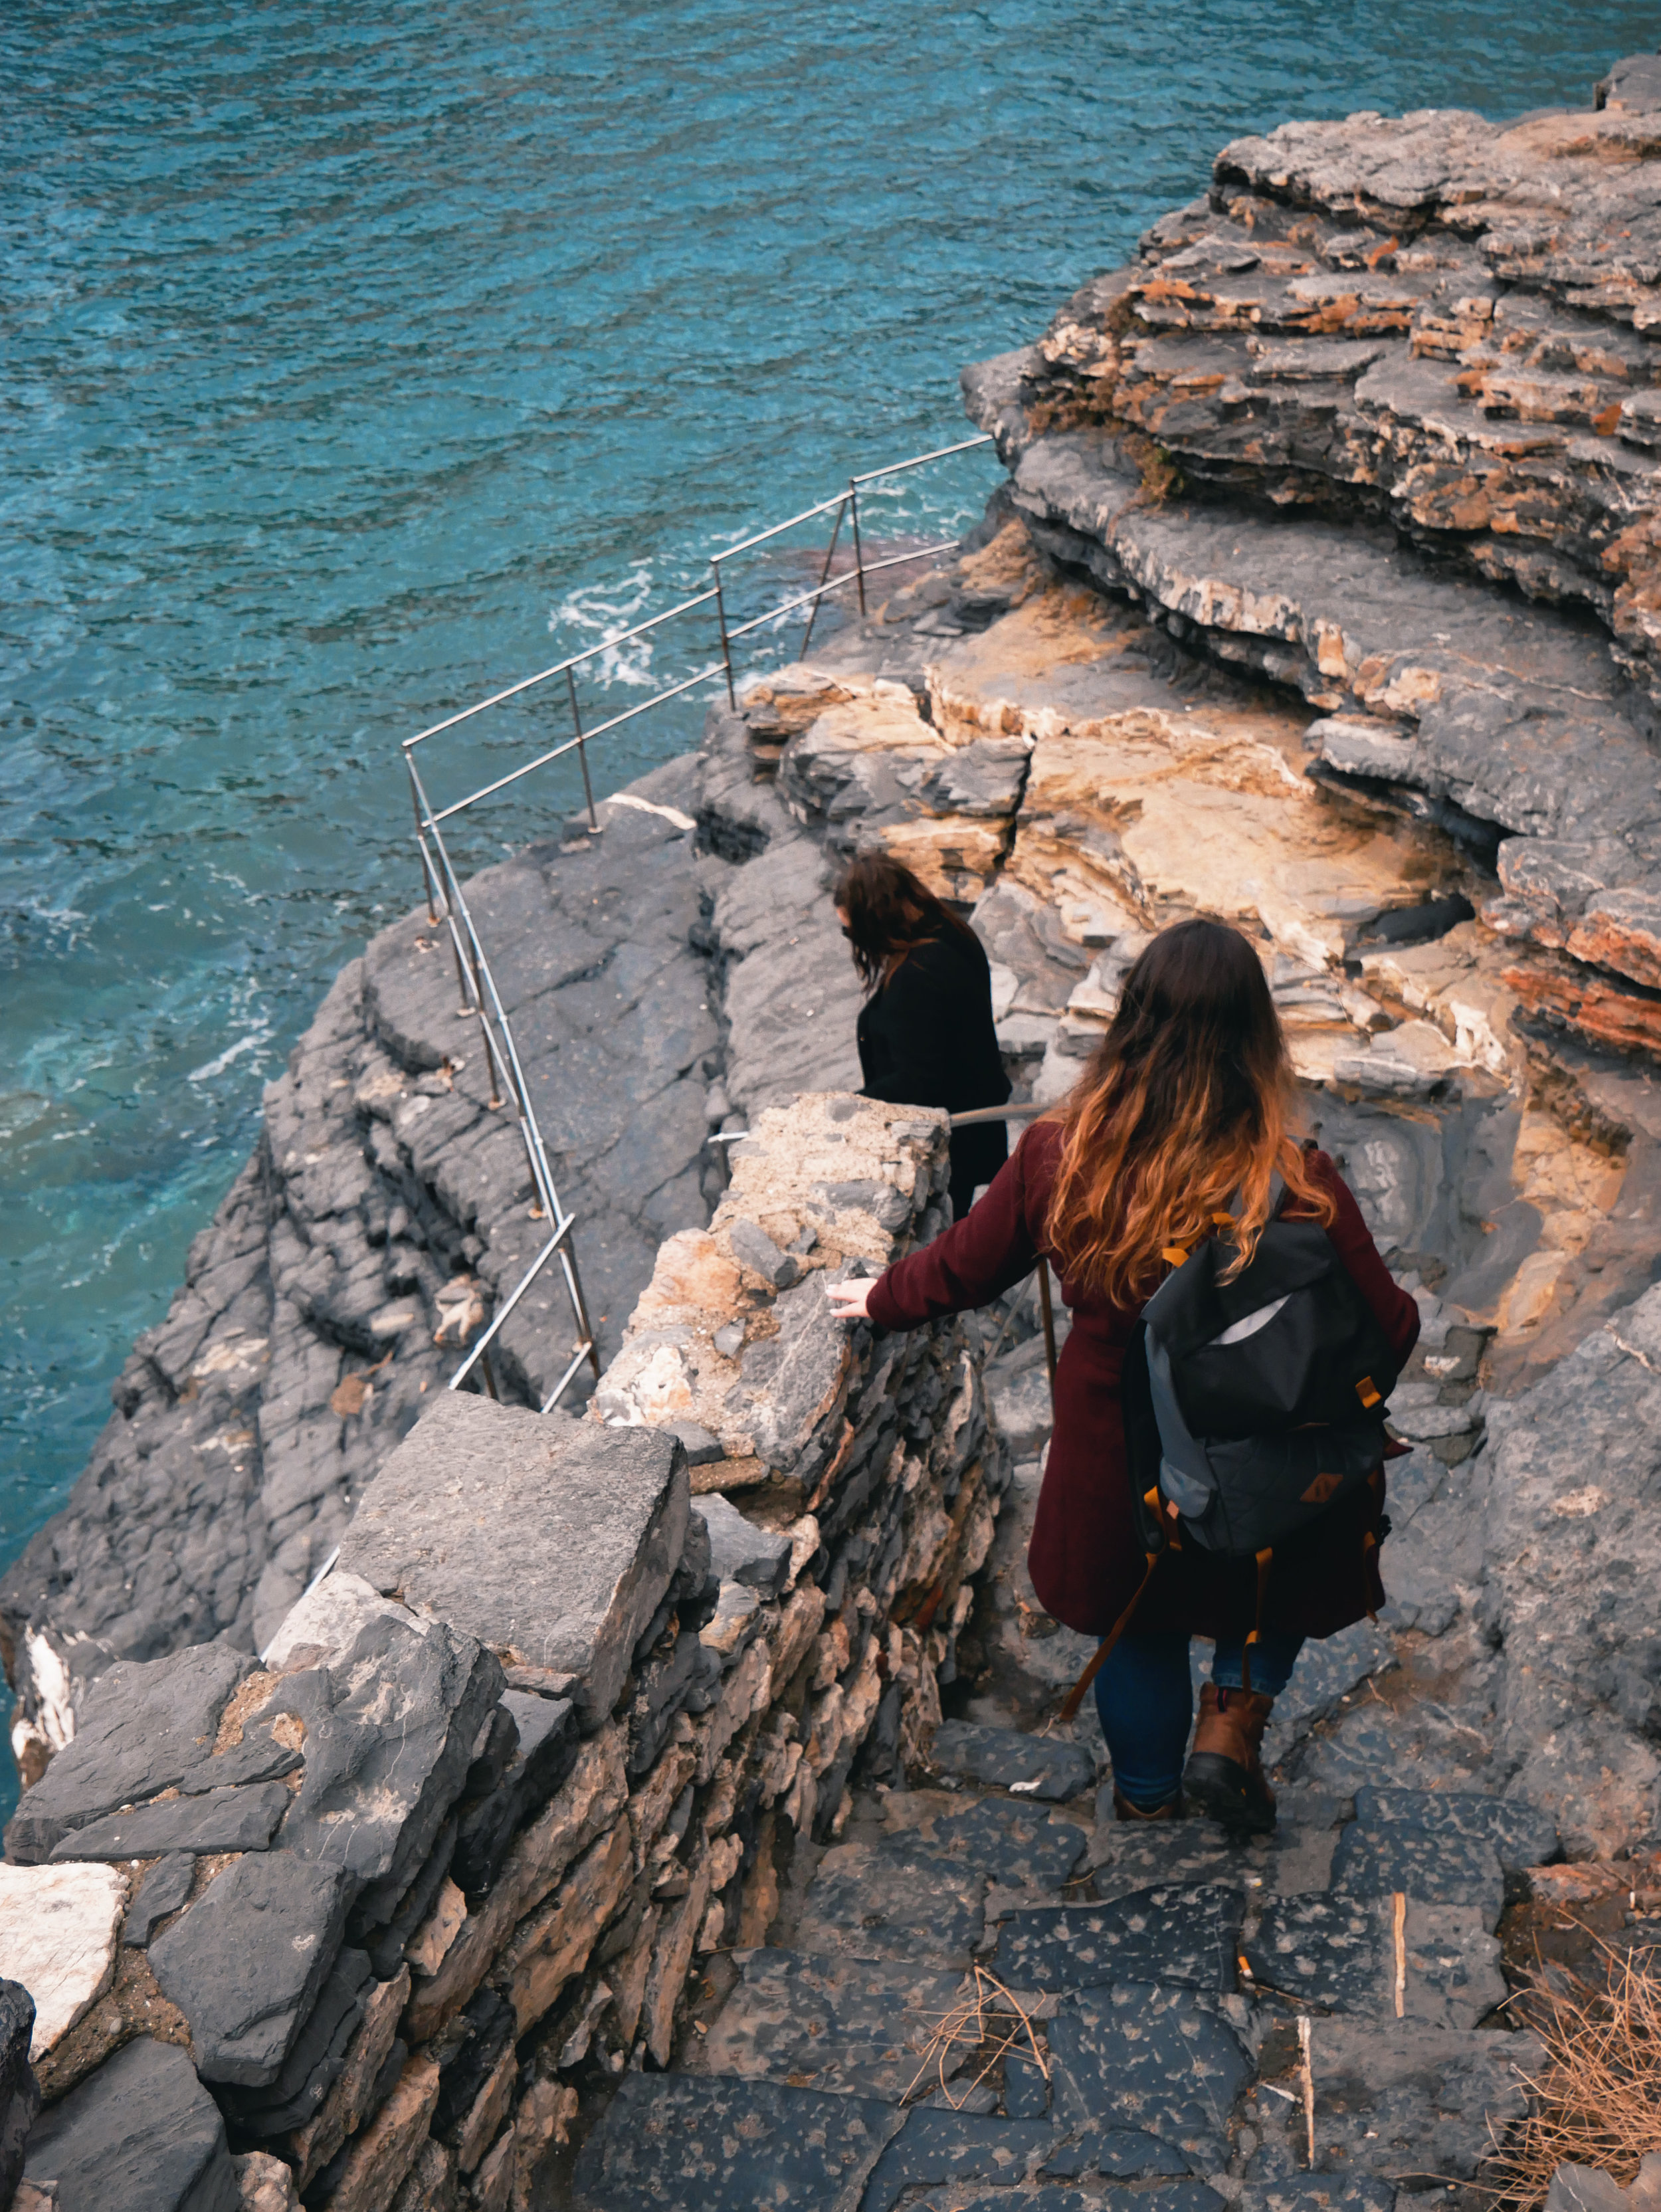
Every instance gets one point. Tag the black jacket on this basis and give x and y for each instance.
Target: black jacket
(926, 1039)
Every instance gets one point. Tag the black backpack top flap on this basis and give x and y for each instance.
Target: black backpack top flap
(1192, 1308)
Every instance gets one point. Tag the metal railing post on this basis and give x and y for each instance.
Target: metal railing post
(582, 749)
(818, 596)
(421, 845)
(726, 643)
(858, 554)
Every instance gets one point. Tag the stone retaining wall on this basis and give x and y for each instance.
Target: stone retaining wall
(359, 1923)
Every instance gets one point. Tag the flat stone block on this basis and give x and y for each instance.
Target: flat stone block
(1005, 1758)
(1521, 1835)
(57, 1937)
(1339, 1952)
(140, 2134)
(143, 1727)
(740, 1552)
(390, 1716)
(941, 2146)
(1126, 1855)
(1396, 2100)
(552, 1542)
(163, 1890)
(886, 1901)
(245, 1962)
(1320, 2192)
(849, 2025)
(220, 1820)
(1182, 1937)
(700, 2145)
(1017, 1846)
(1437, 1868)
(1161, 2062)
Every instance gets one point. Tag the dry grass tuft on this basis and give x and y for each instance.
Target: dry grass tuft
(1597, 2099)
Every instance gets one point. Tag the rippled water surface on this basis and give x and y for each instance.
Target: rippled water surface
(354, 360)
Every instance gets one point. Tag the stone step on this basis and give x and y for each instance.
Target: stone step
(1339, 1952)
(1521, 1835)
(1434, 1868)
(1050, 1768)
(1182, 1937)
(854, 2025)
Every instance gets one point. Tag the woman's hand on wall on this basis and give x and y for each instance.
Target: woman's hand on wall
(850, 1301)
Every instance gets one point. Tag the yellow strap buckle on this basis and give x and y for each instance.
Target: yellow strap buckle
(1368, 1395)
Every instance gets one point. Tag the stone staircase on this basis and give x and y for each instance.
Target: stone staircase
(988, 1992)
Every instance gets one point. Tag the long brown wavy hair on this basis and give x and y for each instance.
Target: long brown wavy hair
(1189, 1099)
(890, 913)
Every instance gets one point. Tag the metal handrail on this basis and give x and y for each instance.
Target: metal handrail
(447, 899)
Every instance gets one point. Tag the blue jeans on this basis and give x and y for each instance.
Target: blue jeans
(1144, 1694)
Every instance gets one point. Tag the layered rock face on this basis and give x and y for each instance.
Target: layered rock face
(352, 1920)
(1383, 366)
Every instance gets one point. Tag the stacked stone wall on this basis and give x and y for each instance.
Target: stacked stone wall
(371, 1922)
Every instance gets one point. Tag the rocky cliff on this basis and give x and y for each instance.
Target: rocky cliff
(1233, 641)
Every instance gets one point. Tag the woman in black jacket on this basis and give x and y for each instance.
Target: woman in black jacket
(926, 1030)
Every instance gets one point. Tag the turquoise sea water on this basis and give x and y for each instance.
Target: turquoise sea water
(353, 361)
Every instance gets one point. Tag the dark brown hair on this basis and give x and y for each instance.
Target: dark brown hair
(890, 912)
(1189, 1099)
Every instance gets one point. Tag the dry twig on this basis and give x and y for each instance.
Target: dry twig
(978, 2020)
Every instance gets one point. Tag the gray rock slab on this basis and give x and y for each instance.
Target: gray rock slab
(1522, 1835)
(1122, 2154)
(1400, 2101)
(145, 1724)
(219, 1820)
(20, 2092)
(163, 1890)
(1041, 1767)
(1320, 2192)
(1175, 2196)
(1017, 1846)
(1339, 1953)
(1182, 1937)
(551, 1543)
(851, 2025)
(700, 2145)
(259, 1757)
(314, 2064)
(1165, 2062)
(1426, 1746)
(1442, 1867)
(937, 2146)
(140, 2133)
(245, 1964)
(391, 1724)
(742, 1553)
(889, 1900)
(1126, 1855)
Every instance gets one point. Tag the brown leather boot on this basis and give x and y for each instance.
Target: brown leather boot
(1223, 1779)
(1124, 1810)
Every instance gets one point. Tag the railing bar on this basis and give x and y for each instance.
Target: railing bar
(789, 606)
(503, 1311)
(558, 1391)
(574, 660)
(898, 560)
(917, 460)
(762, 536)
(489, 790)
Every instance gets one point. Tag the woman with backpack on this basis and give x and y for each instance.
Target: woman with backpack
(925, 1032)
(1179, 1131)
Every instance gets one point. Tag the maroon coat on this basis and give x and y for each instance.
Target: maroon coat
(1086, 1558)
